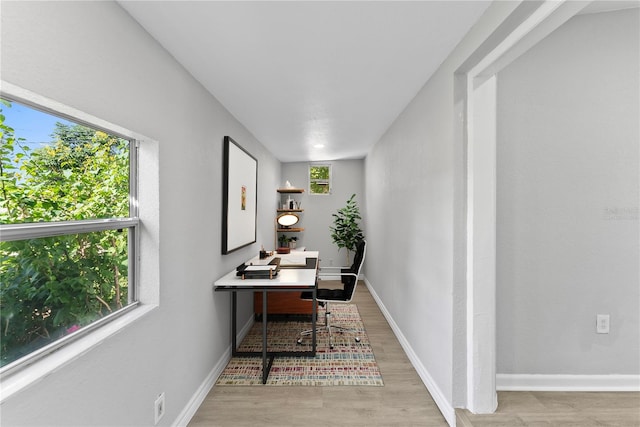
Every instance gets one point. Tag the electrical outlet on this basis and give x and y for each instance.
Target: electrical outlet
(159, 408)
(602, 323)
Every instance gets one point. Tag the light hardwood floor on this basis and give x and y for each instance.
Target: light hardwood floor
(536, 408)
(404, 400)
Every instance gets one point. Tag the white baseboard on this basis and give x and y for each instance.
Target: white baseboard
(201, 393)
(529, 382)
(445, 407)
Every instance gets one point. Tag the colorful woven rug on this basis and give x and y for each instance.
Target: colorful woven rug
(348, 363)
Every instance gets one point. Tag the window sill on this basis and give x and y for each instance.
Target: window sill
(14, 382)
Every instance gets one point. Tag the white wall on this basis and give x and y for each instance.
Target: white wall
(348, 179)
(414, 204)
(92, 56)
(568, 186)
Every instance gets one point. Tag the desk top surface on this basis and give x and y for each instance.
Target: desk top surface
(287, 277)
(294, 258)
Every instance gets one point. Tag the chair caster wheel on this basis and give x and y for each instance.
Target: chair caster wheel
(300, 341)
(357, 339)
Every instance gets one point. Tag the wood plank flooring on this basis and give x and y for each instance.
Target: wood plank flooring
(537, 408)
(404, 400)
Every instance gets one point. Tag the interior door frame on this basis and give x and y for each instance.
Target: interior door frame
(476, 81)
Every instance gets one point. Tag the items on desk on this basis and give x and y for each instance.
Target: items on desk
(250, 271)
(257, 271)
(263, 253)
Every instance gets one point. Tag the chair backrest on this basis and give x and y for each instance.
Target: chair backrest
(350, 282)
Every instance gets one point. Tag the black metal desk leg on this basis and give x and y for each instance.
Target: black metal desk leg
(265, 369)
(234, 309)
(314, 319)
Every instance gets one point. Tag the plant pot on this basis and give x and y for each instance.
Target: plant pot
(283, 250)
(292, 245)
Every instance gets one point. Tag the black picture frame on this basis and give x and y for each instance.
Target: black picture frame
(239, 197)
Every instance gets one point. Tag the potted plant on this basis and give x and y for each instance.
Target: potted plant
(346, 231)
(283, 241)
(292, 242)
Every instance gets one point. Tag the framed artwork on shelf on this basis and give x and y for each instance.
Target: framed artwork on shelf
(239, 197)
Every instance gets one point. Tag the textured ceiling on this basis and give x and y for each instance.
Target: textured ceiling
(302, 74)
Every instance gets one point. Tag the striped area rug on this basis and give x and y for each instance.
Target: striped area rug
(348, 363)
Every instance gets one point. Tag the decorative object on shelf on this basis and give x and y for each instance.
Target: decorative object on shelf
(288, 209)
(283, 240)
(346, 232)
(284, 246)
(287, 219)
(239, 197)
(292, 242)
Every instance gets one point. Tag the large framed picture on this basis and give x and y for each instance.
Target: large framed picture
(239, 197)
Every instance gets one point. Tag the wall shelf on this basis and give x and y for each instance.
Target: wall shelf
(288, 204)
(290, 190)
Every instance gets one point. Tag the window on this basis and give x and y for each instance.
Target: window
(68, 230)
(319, 179)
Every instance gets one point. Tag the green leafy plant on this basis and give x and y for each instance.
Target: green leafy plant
(346, 232)
(55, 285)
(283, 240)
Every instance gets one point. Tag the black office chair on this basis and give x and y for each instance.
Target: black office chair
(349, 277)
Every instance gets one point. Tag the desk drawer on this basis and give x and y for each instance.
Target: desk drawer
(282, 303)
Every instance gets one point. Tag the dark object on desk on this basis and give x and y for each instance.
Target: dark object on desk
(268, 271)
(249, 272)
(308, 263)
(275, 261)
(349, 276)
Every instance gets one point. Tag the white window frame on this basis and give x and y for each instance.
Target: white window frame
(330, 180)
(143, 226)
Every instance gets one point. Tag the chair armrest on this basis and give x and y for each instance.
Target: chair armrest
(334, 271)
(334, 267)
(338, 274)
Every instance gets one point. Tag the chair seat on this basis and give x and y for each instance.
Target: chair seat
(327, 295)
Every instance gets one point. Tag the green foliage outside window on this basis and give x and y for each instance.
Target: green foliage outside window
(52, 286)
(319, 179)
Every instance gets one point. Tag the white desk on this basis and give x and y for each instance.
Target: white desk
(287, 280)
(293, 259)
